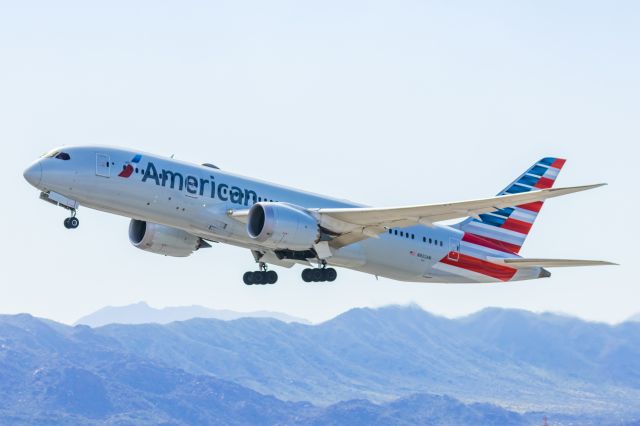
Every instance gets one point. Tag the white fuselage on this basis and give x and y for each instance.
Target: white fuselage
(198, 199)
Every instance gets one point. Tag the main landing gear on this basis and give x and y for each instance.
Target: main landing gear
(316, 275)
(72, 222)
(260, 277)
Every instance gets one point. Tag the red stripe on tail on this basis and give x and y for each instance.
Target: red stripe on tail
(490, 243)
(500, 272)
(517, 226)
(534, 207)
(544, 183)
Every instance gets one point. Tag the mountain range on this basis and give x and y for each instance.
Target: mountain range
(511, 358)
(393, 365)
(142, 313)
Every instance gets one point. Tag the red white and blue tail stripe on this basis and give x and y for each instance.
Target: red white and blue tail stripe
(505, 230)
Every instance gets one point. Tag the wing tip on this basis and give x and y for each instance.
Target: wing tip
(572, 189)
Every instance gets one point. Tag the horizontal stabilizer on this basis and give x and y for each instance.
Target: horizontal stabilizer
(549, 263)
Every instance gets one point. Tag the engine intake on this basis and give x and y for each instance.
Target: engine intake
(163, 240)
(282, 226)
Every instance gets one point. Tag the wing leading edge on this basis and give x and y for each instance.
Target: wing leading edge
(355, 224)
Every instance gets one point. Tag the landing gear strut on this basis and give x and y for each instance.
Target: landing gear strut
(72, 222)
(261, 277)
(322, 274)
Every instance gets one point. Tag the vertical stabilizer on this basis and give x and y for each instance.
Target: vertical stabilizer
(506, 229)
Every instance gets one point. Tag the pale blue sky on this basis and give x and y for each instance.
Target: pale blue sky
(385, 103)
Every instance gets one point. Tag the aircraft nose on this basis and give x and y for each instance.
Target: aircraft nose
(33, 174)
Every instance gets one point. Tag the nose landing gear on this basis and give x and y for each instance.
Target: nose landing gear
(72, 222)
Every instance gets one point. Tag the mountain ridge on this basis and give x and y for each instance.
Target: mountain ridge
(634, 318)
(53, 373)
(142, 313)
(515, 359)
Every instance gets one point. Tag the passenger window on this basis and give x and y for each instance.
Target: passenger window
(430, 242)
(424, 239)
(402, 233)
(413, 236)
(440, 243)
(390, 231)
(396, 232)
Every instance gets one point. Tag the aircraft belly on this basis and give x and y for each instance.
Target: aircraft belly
(393, 258)
(351, 256)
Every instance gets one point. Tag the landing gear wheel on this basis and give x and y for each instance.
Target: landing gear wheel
(317, 275)
(306, 275)
(261, 277)
(330, 275)
(71, 222)
(272, 277)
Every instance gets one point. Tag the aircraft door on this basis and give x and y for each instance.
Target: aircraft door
(103, 165)
(454, 249)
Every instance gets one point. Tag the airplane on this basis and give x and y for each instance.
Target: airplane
(177, 208)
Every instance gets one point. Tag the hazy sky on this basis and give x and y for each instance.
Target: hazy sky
(384, 103)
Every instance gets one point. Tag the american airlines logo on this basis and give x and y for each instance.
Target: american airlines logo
(193, 185)
(128, 168)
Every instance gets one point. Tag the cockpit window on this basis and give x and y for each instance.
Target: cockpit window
(63, 156)
(57, 154)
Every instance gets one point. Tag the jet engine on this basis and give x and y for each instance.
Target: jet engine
(163, 240)
(282, 226)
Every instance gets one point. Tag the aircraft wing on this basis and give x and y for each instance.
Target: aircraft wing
(549, 263)
(352, 224)
(355, 224)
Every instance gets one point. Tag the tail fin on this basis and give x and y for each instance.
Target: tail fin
(506, 229)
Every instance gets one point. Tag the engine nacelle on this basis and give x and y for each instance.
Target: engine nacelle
(282, 226)
(163, 240)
